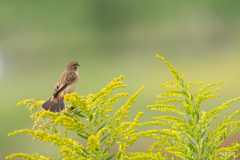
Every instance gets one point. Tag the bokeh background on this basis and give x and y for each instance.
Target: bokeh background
(108, 39)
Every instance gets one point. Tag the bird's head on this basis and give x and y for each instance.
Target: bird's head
(73, 65)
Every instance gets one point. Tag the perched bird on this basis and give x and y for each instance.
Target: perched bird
(66, 84)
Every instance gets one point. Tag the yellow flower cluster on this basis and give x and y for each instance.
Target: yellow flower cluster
(233, 115)
(188, 85)
(203, 96)
(28, 156)
(120, 114)
(93, 143)
(172, 84)
(174, 72)
(179, 151)
(170, 100)
(142, 155)
(31, 103)
(164, 107)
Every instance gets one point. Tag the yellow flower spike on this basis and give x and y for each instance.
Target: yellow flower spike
(182, 75)
(39, 103)
(93, 143)
(20, 103)
(121, 77)
(138, 116)
(46, 113)
(66, 97)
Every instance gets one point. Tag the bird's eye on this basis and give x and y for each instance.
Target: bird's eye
(76, 64)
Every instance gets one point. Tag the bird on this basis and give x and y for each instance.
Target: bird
(66, 84)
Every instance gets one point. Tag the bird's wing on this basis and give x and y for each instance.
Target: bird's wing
(64, 81)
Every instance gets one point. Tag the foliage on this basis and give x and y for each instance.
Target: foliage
(187, 136)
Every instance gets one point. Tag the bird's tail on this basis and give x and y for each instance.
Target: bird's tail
(53, 106)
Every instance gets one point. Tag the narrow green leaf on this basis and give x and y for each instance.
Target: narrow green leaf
(104, 138)
(183, 92)
(85, 151)
(118, 156)
(111, 156)
(91, 117)
(191, 141)
(81, 115)
(191, 97)
(197, 118)
(96, 115)
(190, 122)
(198, 137)
(105, 150)
(94, 99)
(82, 153)
(113, 142)
(186, 100)
(202, 151)
(204, 141)
(93, 110)
(83, 136)
(193, 148)
(224, 135)
(102, 126)
(203, 133)
(187, 110)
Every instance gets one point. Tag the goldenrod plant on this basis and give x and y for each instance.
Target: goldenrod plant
(187, 136)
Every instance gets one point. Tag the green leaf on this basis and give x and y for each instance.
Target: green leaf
(82, 153)
(85, 151)
(202, 151)
(105, 150)
(191, 141)
(81, 115)
(183, 92)
(96, 115)
(190, 122)
(102, 126)
(113, 142)
(104, 138)
(188, 112)
(118, 156)
(91, 117)
(204, 142)
(83, 136)
(193, 148)
(203, 133)
(224, 135)
(197, 118)
(94, 99)
(110, 156)
(186, 101)
(93, 110)
(191, 97)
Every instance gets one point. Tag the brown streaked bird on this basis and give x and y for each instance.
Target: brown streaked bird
(66, 84)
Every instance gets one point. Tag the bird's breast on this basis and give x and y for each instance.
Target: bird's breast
(70, 88)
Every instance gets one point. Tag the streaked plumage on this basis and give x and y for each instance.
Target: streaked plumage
(66, 84)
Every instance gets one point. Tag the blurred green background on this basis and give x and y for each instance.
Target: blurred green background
(108, 39)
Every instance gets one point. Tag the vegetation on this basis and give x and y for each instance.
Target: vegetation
(188, 136)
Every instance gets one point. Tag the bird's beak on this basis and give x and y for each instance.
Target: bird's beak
(78, 64)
